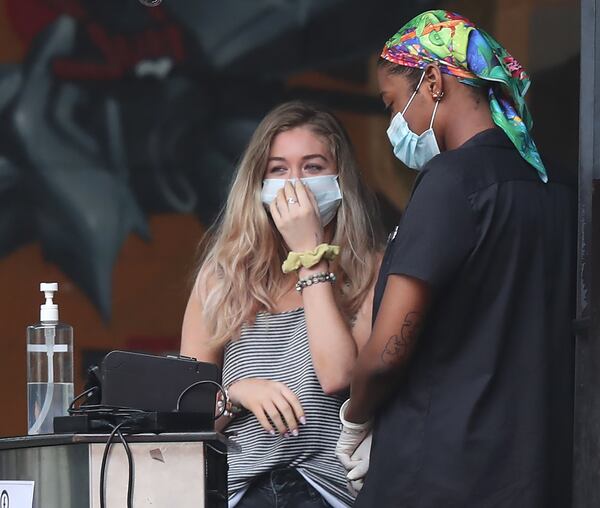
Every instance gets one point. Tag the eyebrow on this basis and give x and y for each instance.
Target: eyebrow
(306, 157)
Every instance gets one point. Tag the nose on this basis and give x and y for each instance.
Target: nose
(295, 172)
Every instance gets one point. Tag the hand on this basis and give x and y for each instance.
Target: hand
(296, 215)
(361, 457)
(269, 400)
(352, 435)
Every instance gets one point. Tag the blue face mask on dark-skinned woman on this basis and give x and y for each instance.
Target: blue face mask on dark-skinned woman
(412, 149)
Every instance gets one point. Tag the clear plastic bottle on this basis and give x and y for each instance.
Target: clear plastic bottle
(49, 367)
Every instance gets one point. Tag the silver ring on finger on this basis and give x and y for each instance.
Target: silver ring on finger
(291, 201)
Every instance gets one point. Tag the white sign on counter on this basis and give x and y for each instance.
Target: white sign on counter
(16, 494)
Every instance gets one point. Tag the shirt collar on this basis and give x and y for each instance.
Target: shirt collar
(489, 137)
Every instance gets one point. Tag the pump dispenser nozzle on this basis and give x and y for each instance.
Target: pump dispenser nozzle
(49, 310)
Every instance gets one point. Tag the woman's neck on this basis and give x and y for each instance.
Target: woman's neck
(467, 124)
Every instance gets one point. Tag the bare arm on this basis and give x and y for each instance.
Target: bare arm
(195, 340)
(195, 336)
(334, 346)
(381, 362)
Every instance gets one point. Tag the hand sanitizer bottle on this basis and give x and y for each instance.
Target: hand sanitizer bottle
(49, 366)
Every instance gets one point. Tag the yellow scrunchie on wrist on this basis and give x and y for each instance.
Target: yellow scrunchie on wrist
(308, 259)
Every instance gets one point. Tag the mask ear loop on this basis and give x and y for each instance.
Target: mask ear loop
(414, 94)
(437, 103)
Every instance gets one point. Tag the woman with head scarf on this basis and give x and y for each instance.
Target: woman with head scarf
(465, 385)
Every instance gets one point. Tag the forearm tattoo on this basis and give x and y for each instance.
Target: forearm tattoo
(398, 348)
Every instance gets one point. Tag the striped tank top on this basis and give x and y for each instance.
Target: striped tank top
(276, 347)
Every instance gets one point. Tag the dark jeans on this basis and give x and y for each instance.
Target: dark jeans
(282, 488)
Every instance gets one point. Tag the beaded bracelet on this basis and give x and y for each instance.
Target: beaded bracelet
(314, 279)
(227, 407)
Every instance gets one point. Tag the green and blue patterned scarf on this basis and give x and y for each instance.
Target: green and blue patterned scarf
(460, 49)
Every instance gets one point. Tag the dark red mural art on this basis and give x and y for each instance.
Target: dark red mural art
(117, 110)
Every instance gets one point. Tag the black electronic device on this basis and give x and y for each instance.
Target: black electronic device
(158, 383)
(146, 393)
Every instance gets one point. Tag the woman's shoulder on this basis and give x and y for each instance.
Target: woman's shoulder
(205, 284)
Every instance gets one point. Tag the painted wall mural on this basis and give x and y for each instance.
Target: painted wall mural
(111, 111)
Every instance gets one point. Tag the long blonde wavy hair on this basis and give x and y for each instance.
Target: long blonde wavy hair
(240, 273)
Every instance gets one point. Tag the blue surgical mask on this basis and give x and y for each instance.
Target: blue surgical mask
(413, 150)
(326, 190)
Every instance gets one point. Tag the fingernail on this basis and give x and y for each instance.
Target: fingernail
(303, 420)
(287, 434)
(295, 432)
(272, 432)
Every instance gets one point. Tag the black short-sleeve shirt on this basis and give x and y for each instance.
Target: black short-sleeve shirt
(483, 414)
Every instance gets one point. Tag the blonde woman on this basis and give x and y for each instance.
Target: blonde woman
(287, 343)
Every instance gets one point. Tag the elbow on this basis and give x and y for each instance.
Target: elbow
(332, 385)
(334, 389)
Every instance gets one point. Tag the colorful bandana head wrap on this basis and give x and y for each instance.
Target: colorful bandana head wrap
(475, 58)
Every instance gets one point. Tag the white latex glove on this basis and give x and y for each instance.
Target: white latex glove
(356, 475)
(355, 486)
(351, 437)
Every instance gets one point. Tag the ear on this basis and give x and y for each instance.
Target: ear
(433, 82)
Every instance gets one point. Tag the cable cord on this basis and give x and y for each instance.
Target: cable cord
(199, 383)
(116, 431)
(98, 409)
(130, 467)
(87, 393)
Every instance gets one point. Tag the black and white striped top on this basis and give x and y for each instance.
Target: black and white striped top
(276, 347)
